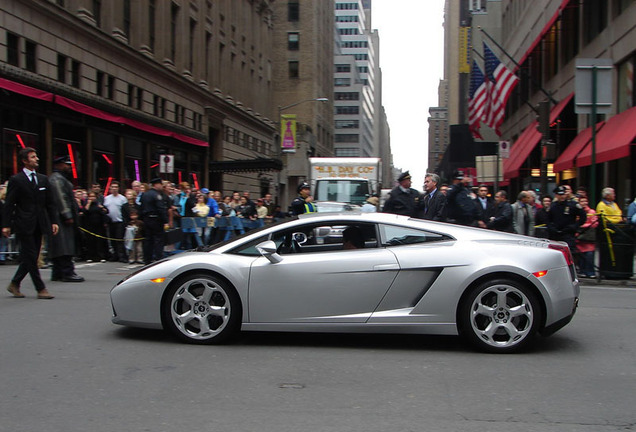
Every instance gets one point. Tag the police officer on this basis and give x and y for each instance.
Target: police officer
(565, 217)
(403, 199)
(303, 202)
(155, 217)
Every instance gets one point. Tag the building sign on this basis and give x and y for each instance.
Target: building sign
(166, 164)
(288, 132)
(464, 50)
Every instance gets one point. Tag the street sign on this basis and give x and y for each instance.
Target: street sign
(593, 76)
(504, 149)
(166, 164)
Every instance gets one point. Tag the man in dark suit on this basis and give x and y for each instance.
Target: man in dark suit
(485, 206)
(30, 209)
(501, 219)
(432, 202)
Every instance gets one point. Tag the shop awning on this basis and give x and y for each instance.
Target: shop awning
(528, 140)
(94, 112)
(247, 165)
(578, 144)
(614, 141)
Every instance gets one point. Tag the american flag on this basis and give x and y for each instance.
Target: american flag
(477, 99)
(500, 82)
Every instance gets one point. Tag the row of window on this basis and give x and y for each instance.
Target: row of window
(247, 141)
(347, 138)
(347, 124)
(346, 6)
(354, 44)
(347, 96)
(347, 18)
(69, 71)
(348, 31)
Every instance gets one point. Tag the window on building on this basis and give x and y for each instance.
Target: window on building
(343, 68)
(97, 12)
(159, 106)
(126, 18)
(347, 152)
(478, 6)
(626, 90)
(347, 96)
(347, 124)
(361, 56)
(293, 68)
(293, 10)
(61, 67)
(152, 12)
(110, 87)
(75, 73)
(347, 110)
(347, 18)
(193, 32)
(594, 18)
(621, 6)
(13, 49)
(99, 80)
(342, 82)
(347, 138)
(569, 34)
(293, 41)
(30, 56)
(174, 16)
(363, 69)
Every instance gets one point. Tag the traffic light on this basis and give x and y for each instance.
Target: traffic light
(543, 118)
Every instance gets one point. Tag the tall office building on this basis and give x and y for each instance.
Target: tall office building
(303, 72)
(355, 81)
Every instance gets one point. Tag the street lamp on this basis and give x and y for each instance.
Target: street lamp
(320, 99)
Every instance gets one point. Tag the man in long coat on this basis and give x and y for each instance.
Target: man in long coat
(62, 248)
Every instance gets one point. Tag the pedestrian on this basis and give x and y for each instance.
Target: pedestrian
(607, 207)
(565, 217)
(523, 214)
(485, 205)
(154, 215)
(303, 203)
(431, 204)
(631, 214)
(30, 209)
(371, 205)
(541, 219)
(261, 213)
(62, 247)
(138, 188)
(133, 238)
(586, 239)
(501, 220)
(403, 199)
(116, 226)
(97, 188)
(460, 208)
(95, 220)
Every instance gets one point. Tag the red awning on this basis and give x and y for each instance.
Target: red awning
(528, 140)
(578, 144)
(613, 141)
(26, 90)
(94, 112)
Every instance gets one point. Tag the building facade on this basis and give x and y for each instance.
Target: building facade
(119, 86)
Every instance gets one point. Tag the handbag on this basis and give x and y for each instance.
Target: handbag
(589, 235)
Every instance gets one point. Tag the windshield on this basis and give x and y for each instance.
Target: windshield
(341, 190)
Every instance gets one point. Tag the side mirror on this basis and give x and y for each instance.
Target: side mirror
(268, 250)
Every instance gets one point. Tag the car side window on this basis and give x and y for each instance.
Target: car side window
(314, 238)
(394, 235)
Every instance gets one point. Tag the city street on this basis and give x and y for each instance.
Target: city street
(66, 367)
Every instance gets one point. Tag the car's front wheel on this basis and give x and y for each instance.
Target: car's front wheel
(500, 316)
(201, 309)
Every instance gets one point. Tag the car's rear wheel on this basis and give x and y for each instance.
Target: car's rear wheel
(500, 316)
(201, 309)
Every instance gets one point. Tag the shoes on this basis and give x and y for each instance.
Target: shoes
(15, 290)
(102, 261)
(73, 278)
(45, 295)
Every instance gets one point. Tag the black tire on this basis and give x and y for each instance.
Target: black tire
(500, 316)
(201, 309)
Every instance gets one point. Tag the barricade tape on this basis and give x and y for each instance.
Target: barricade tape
(108, 238)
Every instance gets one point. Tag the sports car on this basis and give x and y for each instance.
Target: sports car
(359, 272)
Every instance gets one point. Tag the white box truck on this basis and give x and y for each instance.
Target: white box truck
(344, 183)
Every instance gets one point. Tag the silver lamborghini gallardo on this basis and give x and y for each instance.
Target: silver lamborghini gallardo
(367, 273)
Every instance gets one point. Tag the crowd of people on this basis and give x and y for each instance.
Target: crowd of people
(564, 216)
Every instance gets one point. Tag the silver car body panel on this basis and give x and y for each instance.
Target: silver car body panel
(405, 289)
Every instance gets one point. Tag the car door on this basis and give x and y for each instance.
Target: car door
(320, 284)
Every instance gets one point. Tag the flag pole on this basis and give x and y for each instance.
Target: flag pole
(544, 91)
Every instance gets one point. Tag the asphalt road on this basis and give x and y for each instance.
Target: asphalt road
(65, 367)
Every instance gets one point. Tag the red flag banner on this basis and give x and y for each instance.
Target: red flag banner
(477, 100)
(500, 82)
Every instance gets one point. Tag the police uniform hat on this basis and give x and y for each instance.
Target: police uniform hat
(404, 176)
(155, 181)
(559, 190)
(62, 159)
(302, 186)
(458, 175)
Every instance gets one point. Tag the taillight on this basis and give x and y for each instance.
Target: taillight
(565, 250)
